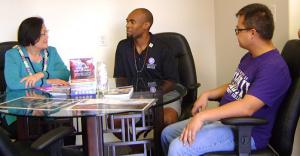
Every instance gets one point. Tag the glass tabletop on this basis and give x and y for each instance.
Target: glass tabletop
(37, 103)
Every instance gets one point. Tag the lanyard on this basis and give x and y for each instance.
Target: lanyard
(26, 62)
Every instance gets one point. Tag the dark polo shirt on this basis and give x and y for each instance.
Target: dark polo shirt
(156, 62)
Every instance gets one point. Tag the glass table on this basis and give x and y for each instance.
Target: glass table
(91, 119)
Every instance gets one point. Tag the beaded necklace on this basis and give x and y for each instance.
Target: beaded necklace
(136, 68)
(45, 60)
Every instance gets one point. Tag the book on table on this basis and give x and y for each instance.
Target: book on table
(119, 93)
(83, 81)
(56, 90)
(83, 88)
(82, 70)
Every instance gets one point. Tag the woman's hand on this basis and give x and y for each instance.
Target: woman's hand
(38, 113)
(32, 79)
(57, 82)
(189, 132)
(31, 93)
(200, 103)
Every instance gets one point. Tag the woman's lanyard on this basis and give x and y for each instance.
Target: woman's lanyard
(45, 60)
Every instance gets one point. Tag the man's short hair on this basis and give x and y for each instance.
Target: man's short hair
(258, 17)
(30, 31)
(148, 15)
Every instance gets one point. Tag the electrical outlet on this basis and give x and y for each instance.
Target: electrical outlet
(102, 40)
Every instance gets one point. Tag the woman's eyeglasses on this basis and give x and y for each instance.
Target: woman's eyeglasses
(45, 33)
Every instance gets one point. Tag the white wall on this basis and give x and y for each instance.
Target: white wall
(82, 28)
(294, 18)
(227, 48)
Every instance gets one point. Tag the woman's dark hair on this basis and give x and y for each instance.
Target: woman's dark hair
(260, 18)
(30, 31)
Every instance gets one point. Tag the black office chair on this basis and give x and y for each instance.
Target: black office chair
(48, 144)
(281, 142)
(186, 68)
(4, 46)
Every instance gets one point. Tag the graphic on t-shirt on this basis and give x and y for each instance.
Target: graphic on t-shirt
(239, 85)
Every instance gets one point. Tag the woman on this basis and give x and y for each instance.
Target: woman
(33, 63)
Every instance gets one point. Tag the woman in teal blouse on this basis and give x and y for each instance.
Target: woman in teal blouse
(33, 63)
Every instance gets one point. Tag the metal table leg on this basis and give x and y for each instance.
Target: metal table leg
(92, 136)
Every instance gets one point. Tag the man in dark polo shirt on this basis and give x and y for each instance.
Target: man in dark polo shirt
(145, 60)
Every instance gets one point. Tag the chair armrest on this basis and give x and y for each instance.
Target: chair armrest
(244, 129)
(193, 86)
(51, 137)
(244, 121)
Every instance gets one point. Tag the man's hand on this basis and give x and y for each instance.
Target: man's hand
(57, 82)
(188, 134)
(32, 79)
(200, 104)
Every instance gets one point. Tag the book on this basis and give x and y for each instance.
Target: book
(82, 70)
(56, 90)
(83, 81)
(119, 93)
(83, 88)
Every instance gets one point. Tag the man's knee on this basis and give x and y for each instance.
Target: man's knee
(170, 116)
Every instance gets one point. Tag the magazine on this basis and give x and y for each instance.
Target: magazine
(119, 93)
(33, 103)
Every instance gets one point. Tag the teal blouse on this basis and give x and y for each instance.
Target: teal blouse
(15, 70)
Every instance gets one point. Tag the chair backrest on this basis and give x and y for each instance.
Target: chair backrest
(185, 62)
(288, 114)
(4, 46)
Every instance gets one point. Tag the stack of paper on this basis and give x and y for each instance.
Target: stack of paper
(119, 93)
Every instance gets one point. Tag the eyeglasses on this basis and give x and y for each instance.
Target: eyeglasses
(237, 30)
(45, 33)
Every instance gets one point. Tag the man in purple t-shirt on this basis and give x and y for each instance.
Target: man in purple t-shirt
(257, 89)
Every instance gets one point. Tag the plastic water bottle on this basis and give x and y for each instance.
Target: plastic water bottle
(102, 80)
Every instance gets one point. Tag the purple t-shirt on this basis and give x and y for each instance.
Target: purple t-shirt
(266, 77)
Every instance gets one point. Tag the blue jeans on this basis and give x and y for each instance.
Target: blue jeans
(211, 137)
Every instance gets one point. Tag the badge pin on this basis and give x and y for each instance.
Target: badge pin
(151, 60)
(152, 89)
(150, 45)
